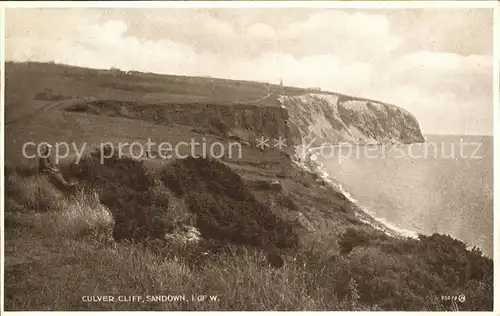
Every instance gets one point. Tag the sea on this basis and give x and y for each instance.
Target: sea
(444, 185)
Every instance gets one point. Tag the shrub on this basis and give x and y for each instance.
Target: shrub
(450, 258)
(191, 174)
(218, 127)
(410, 274)
(225, 208)
(352, 238)
(387, 279)
(177, 178)
(127, 189)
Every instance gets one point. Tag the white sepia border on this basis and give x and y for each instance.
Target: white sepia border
(272, 4)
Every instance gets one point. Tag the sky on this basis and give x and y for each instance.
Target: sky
(436, 63)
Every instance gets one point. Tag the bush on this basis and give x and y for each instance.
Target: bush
(186, 175)
(225, 208)
(451, 259)
(411, 274)
(218, 127)
(352, 238)
(176, 177)
(388, 280)
(128, 190)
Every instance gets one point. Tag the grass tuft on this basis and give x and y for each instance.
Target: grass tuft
(83, 216)
(34, 193)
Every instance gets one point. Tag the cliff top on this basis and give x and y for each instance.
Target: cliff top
(116, 84)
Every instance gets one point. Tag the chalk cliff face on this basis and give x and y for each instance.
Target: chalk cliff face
(332, 119)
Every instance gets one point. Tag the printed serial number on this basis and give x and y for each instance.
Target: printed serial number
(460, 298)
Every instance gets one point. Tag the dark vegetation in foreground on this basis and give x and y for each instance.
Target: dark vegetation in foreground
(109, 240)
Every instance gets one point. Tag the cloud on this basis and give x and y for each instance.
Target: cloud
(351, 36)
(443, 61)
(460, 31)
(261, 31)
(447, 92)
(370, 54)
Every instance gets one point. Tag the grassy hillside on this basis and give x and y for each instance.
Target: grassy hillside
(38, 93)
(196, 226)
(25, 80)
(59, 249)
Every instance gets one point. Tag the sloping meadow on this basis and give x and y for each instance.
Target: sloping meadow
(121, 205)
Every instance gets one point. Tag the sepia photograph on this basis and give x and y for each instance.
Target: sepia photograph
(261, 156)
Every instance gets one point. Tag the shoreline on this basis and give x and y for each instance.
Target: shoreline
(363, 213)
